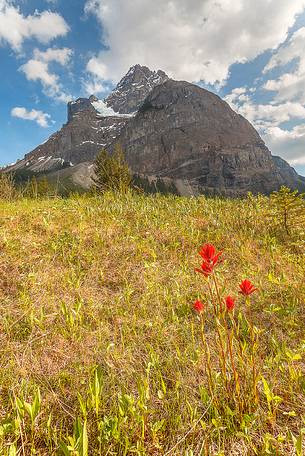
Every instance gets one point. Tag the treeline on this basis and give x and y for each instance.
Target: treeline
(111, 172)
(13, 187)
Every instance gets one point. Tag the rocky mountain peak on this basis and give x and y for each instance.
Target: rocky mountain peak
(80, 105)
(133, 88)
(142, 74)
(126, 98)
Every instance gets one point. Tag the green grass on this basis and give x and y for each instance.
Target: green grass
(100, 349)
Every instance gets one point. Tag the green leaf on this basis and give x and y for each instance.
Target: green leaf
(267, 390)
(84, 449)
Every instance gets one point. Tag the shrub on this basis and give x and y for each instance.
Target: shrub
(142, 184)
(288, 209)
(286, 216)
(39, 187)
(8, 190)
(111, 171)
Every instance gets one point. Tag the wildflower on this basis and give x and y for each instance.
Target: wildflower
(230, 303)
(246, 287)
(209, 255)
(198, 306)
(210, 259)
(206, 269)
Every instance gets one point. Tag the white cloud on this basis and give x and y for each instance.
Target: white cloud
(238, 95)
(193, 40)
(15, 27)
(94, 86)
(288, 104)
(37, 69)
(61, 56)
(264, 115)
(268, 119)
(290, 85)
(39, 117)
(289, 51)
(289, 144)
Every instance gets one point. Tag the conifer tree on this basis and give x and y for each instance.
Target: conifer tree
(31, 189)
(39, 187)
(288, 209)
(44, 188)
(111, 171)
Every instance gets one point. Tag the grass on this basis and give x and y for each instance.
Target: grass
(100, 349)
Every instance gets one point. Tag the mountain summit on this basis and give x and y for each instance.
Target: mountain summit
(133, 88)
(171, 130)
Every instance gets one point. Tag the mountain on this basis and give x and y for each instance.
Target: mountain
(184, 132)
(170, 130)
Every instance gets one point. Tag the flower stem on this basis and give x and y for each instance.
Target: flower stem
(207, 356)
(221, 344)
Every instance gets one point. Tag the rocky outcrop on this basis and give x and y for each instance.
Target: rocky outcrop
(289, 176)
(133, 88)
(81, 105)
(93, 124)
(78, 141)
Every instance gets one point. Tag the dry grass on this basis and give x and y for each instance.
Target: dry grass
(96, 298)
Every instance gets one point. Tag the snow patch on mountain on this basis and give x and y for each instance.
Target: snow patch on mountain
(107, 111)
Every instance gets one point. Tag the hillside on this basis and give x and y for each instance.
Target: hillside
(98, 331)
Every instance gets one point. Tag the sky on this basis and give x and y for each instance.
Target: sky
(251, 53)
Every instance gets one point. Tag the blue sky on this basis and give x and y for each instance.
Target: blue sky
(250, 53)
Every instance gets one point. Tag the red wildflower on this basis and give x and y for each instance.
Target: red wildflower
(208, 253)
(206, 269)
(230, 303)
(246, 287)
(198, 306)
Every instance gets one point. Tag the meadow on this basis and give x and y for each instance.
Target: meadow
(102, 352)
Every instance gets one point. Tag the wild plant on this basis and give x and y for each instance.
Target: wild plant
(235, 340)
(111, 172)
(287, 211)
(8, 190)
(73, 318)
(226, 380)
(78, 442)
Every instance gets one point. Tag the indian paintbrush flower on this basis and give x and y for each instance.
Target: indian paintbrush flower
(209, 255)
(230, 303)
(210, 259)
(206, 269)
(246, 287)
(198, 306)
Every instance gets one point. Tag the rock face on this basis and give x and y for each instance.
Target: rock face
(79, 140)
(81, 105)
(186, 133)
(289, 175)
(170, 130)
(132, 90)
